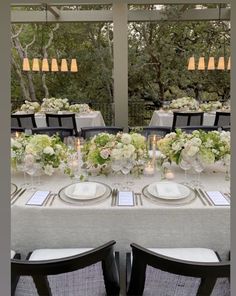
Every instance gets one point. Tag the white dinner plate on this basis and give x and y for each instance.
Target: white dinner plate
(100, 191)
(184, 191)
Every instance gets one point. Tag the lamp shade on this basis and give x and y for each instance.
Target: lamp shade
(45, 66)
(191, 63)
(26, 65)
(73, 66)
(229, 64)
(54, 65)
(64, 66)
(211, 63)
(201, 63)
(35, 66)
(221, 63)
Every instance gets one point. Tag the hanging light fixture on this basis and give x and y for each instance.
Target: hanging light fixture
(73, 66)
(35, 66)
(54, 65)
(45, 65)
(26, 64)
(64, 66)
(211, 62)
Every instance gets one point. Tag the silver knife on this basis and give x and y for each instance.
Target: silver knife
(13, 201)
(53, 198)
(15, 193)
(112, 197)
(204, 196)
(200, 197)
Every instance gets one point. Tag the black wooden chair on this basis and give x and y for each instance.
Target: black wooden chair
(67, 272)
(26, 121)
(226, 128)
(222, 119)
(62, 120)
(62, 132)
(187, 119)
(190, 129)
(187, 271)
(17, 129)
(151, 130)
(88, 132)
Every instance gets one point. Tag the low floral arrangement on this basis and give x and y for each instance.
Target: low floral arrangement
(79, 108)
(49, 153)
(30, 107)
(185, 103)
(123, 152)
(211, 106)
(54, 105)
(205, 147)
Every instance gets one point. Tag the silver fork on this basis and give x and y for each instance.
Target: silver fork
(139, 197)
(13, 200)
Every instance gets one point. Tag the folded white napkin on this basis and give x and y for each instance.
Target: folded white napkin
(169, 189)
(84, 189)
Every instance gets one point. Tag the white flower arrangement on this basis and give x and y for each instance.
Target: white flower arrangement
(206, 147)
(128, 150)
(30, 107)
(211, 106)
(54, 105)
(49, 152)
(80, 108)
(185, 103)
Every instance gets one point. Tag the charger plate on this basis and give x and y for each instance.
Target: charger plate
(62, 195)
(190, 198)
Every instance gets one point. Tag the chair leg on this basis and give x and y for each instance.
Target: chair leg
(206, 287)
(42, 285)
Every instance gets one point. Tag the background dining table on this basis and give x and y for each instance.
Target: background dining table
(93, 118)
(63, 225)
(165, 118)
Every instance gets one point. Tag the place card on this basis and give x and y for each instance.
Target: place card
(125, 198)
(38, 198)
(218, 198)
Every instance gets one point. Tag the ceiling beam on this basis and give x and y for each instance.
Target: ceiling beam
(18, 16)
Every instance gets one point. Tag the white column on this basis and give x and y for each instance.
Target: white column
(120, 20)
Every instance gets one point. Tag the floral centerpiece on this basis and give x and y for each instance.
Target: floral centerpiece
(106, 153)
(185, 103)
(205, 147)
(54, 105)
(211, 106)
(79, 108)
(49, 152)
(30, 107)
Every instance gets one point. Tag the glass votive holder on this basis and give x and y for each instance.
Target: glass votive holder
(149, 169)
(169, 175)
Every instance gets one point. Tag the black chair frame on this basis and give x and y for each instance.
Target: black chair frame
(146, 130)
(218, 115)
(17, 129)
(191, 128)
(102, 129)
(188, 115)
(59, 118)
(39, 270)
(207, 272)
(19, 116)
(53, 131)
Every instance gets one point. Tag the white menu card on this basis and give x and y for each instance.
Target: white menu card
(126, 198)
(218, 198)
(38, 198)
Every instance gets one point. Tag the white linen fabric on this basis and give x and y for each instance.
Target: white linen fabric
(165, 118)
(154, 224)
(91, 119)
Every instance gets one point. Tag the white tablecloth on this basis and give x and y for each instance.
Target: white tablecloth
(165, 118)
(151, 225)
(92, 119)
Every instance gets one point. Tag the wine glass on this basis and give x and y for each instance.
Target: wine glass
(21, 166)
(116, 166)
(198, 168)
(185, 165)
(34, 169)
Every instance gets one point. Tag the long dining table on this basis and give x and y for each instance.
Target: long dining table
(151, 224)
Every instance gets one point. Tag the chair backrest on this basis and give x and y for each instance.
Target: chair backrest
(226, 128)
(206, 274)
(190, 129)
(42, 271)
(62, 120)
(151, 130)
(62, 132)
(222, 119)
(26, 121)
(187, 119)
(17, 129)
(88, 132)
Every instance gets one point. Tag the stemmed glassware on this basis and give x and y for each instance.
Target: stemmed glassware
(127, 165)
(185, 165)
(21, 166)
(116, 166)
(34, 169)
(198, 168)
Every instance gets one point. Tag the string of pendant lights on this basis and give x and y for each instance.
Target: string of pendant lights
(43, 64)
(222, 64)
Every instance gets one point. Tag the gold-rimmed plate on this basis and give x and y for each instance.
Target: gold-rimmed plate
(190, 198)
(62, 195)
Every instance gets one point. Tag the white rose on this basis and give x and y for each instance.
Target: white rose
(192, 150)
(48, 150)
(126, 139)
(48, 169)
